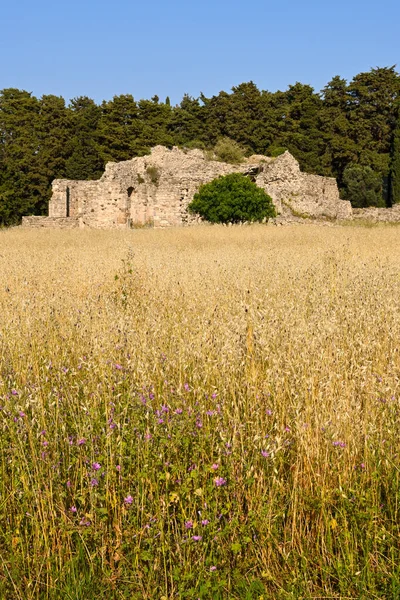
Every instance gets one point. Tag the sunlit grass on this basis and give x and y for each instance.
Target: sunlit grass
(200, 413)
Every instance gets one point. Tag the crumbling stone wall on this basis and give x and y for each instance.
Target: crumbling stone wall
(50, 222)
(91, 202)
(300, 193)
(157, 188)
(378, 215)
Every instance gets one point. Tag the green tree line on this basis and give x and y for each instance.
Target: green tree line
(349, 131)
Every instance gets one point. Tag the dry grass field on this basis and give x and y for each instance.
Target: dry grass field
(200, 413)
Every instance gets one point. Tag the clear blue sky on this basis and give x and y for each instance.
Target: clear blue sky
(105, 48)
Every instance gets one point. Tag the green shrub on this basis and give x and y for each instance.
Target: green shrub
(153, 173)
(194, 145)
(229, 151)
(275, 151)
(363, 187)
(232, 199)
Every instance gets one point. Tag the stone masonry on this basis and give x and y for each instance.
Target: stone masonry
(155, 190)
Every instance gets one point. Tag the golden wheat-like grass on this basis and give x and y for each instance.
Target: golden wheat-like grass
(290, 336)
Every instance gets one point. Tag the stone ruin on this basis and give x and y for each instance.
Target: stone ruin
(155, 190)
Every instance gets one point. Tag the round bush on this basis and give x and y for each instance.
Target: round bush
(232, 199)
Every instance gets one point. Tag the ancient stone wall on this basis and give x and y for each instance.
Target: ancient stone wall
(95, 204)
(378, 215)
(157, 188)
(301, 193)
(51, 222)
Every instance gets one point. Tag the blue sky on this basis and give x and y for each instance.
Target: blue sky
(103, 48)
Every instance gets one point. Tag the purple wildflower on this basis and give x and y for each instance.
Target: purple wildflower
(219, 481)
(118, 367)
(118, 467)
(81, 442)
(264, 453)
(213, 568)
(179, 411)
(188, 524)
(197, 538)
(215, 466)
(128, 500)
(94, 482)
(96, 466)
(205, 522)
(73, 509)
(187, 387)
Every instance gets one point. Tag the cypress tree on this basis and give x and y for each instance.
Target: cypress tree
(394, 173)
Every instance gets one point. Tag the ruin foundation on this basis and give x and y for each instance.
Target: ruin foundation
(155, 190)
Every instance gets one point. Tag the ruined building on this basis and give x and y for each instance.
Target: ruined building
(157, 188)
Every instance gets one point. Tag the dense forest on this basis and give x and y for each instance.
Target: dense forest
(350, 131)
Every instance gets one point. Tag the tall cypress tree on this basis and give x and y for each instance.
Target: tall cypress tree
(394, 173)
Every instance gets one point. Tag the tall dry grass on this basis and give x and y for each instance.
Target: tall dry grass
(200, 413)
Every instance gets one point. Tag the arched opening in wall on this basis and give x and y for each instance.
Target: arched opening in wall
(67, 202)
(129, 193)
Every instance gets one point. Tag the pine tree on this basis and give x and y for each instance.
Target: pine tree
(53, 131)
(339, 149)
(120, 129)
(155, 118)
(301, 135)
(84, 158)
(394, 173)
(20, 189)
(371, 103)
(188, 125)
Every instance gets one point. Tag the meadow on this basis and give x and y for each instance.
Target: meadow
(206, 413)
